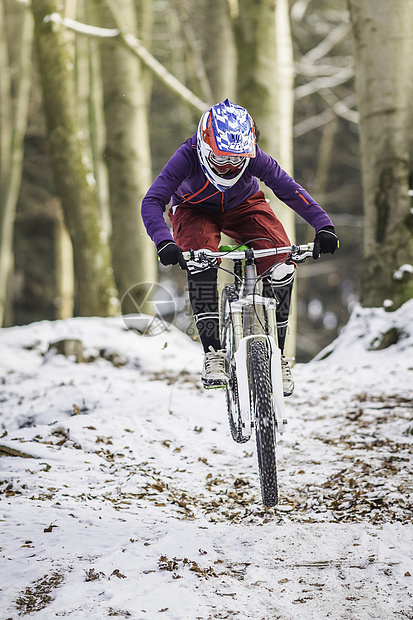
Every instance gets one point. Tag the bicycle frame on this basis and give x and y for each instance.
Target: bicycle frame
(248, 298)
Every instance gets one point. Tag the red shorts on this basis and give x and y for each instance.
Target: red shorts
(194, 229)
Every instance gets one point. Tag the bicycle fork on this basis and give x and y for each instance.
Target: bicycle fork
(241, 361)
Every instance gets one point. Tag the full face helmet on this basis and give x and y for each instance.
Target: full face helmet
(225, 143)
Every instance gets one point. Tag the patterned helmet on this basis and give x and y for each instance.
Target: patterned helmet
(225, 142)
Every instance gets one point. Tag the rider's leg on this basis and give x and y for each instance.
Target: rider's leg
(203, 295)
(196, 230)
(279, 285)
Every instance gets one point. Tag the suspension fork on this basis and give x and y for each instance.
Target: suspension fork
(250, 272)
(270, 309)
(250, 279)
(236, 311)
(243, 313)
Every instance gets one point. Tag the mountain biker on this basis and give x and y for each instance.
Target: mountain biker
(212, 181)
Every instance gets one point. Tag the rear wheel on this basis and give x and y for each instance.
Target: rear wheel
(264, 421)
(229, 294)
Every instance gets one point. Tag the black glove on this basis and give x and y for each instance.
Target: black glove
(170, 254)
(325, 241)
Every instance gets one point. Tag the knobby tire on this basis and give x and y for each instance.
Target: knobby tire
(265, 433)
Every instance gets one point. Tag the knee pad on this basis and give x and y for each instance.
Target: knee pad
(282, 275)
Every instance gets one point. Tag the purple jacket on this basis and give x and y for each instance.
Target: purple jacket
(183, 181)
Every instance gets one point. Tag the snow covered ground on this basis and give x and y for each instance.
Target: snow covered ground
(123, 494)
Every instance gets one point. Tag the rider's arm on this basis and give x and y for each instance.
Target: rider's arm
(176, 170)
(288, 190)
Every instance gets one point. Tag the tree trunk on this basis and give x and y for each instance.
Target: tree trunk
(128, 160)
(13, 120)
(221, 51)
(383, 51)
(96, 119)
(265, 73)
(74, 182)
(64, 269)
(265, 88)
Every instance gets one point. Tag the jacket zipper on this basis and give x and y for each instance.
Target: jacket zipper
(302, 197)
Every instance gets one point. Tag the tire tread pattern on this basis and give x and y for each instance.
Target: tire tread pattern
(264, 421)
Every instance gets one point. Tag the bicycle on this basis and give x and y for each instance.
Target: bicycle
(254, 394)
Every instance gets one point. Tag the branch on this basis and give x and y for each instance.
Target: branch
(6, 450)
(323, 83)
(330, 66)
(313, 122)
(90, 31)
(338, 108)
(327, 44)
(342, 107)
(135, 46)
(298, 9)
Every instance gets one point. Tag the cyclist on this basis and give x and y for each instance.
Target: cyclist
(212, 181)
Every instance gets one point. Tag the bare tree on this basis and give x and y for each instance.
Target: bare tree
(383, 51)
(74, 181)
(265, 88)
(127, 155)
(15, 51)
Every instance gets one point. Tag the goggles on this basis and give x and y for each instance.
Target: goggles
(225, 163)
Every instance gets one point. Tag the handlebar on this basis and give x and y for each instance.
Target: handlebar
(298, 252)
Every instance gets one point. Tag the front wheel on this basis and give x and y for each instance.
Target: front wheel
(264, 421)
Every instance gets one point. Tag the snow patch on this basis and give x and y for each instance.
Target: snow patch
(131, 500)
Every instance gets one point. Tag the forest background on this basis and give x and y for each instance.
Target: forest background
(98, 111)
